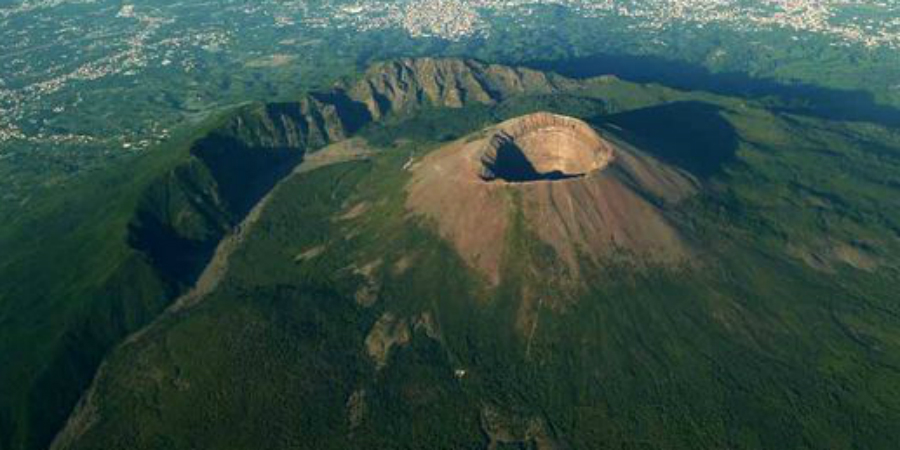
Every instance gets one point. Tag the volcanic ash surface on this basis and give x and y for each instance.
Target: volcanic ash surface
(581, 193)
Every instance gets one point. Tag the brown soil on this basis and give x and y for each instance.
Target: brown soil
(389, 331)
(343, 151)
(353, 212)
(607, 199)
(403, 264)
(310, 253)
(828, 255)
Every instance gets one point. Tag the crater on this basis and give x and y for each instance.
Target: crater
(543, 147)
(585, 195)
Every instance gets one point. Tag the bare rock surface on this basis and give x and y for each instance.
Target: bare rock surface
(580, 192)
(367, 294)
(406, 84)
(388, 331)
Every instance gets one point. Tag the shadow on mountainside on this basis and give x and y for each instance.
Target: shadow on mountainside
(182, 218)
(513, 166)
(821, 102)
(689, 135)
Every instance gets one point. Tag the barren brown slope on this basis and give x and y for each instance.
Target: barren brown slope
(580, 193)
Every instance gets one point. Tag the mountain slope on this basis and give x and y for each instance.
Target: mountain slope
(127, 261)
(580, 193)
(348, 319)
(408, 84)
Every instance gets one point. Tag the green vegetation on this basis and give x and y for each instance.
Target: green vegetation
(778, 341)
(70, 287)
(93, 264)
(783, 337)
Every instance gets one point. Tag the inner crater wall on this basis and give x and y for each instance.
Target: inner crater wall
(543, 147)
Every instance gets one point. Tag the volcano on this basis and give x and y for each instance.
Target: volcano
(680, 271)
(580, 191)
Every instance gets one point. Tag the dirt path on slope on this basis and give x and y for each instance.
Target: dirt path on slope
(344, 151)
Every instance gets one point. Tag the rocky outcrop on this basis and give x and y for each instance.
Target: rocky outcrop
(388, 332)
(309, 122)
(407, 84)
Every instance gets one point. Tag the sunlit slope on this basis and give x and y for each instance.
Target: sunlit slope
(347, 320)
(95, 262)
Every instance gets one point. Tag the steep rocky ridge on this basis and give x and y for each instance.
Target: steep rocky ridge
(407, 84)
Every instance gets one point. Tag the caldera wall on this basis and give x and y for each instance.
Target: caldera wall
(543, 147)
